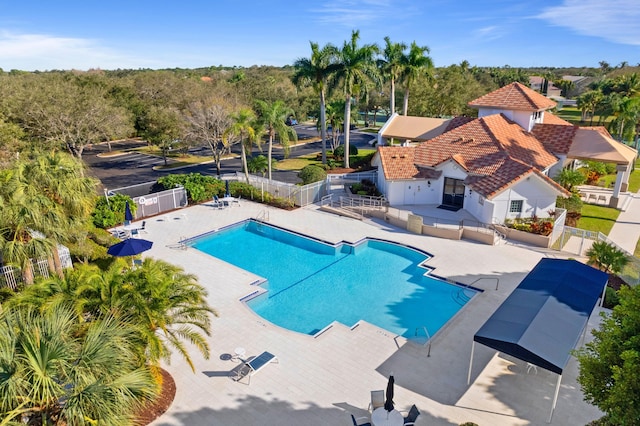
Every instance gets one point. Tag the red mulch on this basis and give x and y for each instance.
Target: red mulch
(161, 404)
(340, 170)
(615, 282)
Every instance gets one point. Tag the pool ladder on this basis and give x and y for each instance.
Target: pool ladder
(428, 341)
(263, 216)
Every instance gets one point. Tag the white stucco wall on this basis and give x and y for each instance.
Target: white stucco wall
(557, 168)
(538, 199)
(523, 118)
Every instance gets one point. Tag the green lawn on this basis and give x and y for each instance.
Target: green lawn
(297, 163)
(300, 162)
(598, 218)
(573, 116)
(634, 179)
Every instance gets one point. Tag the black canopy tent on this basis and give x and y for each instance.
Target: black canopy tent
(542, 320)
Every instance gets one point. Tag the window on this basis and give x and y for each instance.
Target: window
(481, 200)
(516, 206)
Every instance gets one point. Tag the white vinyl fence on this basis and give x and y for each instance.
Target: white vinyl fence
(151, 203)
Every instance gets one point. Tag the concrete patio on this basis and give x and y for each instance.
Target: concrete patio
(319, 381)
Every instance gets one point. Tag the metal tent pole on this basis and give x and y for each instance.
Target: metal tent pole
(555, 398)
(473, 346)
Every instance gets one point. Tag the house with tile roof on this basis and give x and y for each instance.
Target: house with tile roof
(498, 166)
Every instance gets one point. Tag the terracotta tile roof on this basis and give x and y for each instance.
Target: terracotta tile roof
(550, 118)
(493, 148)
(458, 121)
(514, 96)
(557, 138)
(398, 162)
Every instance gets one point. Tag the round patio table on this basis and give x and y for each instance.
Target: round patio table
(382, 417)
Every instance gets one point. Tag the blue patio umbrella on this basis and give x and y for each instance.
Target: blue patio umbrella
(129, 247)
(127, 213)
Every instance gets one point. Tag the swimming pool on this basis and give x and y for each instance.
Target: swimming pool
(311, 283)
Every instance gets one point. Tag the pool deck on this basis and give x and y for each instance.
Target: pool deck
(320, 380)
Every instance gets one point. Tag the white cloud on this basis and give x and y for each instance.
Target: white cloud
(489, 33)
(30, 52)
(614, 20)
(353, 13)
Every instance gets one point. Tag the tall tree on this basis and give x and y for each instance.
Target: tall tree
(244, 127)
(335, 119)
(57, 110)
(316, 71)
(415, 64)
(391, 66)
(588, 102)
(356, 64)
(208, 120)
(161, 127)
(272, 116)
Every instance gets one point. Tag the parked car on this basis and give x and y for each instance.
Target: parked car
(291, 121)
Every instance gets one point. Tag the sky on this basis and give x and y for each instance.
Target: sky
(115, 34)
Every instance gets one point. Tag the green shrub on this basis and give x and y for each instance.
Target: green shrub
(611, 298)
(312, 173)
(533, 225)
(468, 424)
(339, 151)
(362, 162)
(110, 212)
(610, 168)
(199, 187)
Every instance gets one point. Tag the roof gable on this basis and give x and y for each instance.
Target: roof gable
(495, 150)
(514, 96)
(483, 142)
(398, 162)
(550, 118)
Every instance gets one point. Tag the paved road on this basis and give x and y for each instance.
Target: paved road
(133, 168)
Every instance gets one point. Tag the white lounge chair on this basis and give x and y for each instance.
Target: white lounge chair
(254, 365)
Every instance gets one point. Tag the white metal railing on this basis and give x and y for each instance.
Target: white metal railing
(428, 341)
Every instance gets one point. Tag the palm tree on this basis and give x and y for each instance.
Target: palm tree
(335, 119)
(588, 102)
(258, 164)
(169, 305)
(42, 200)
(62, 179)
(415, 63)
(273, 116)
(57, 371)
(316, 71)
(355, 65)
(391, 66)
(607, 257)
(627, 112)
(243, 125)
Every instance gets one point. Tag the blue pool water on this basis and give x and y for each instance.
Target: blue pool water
(311, 284)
